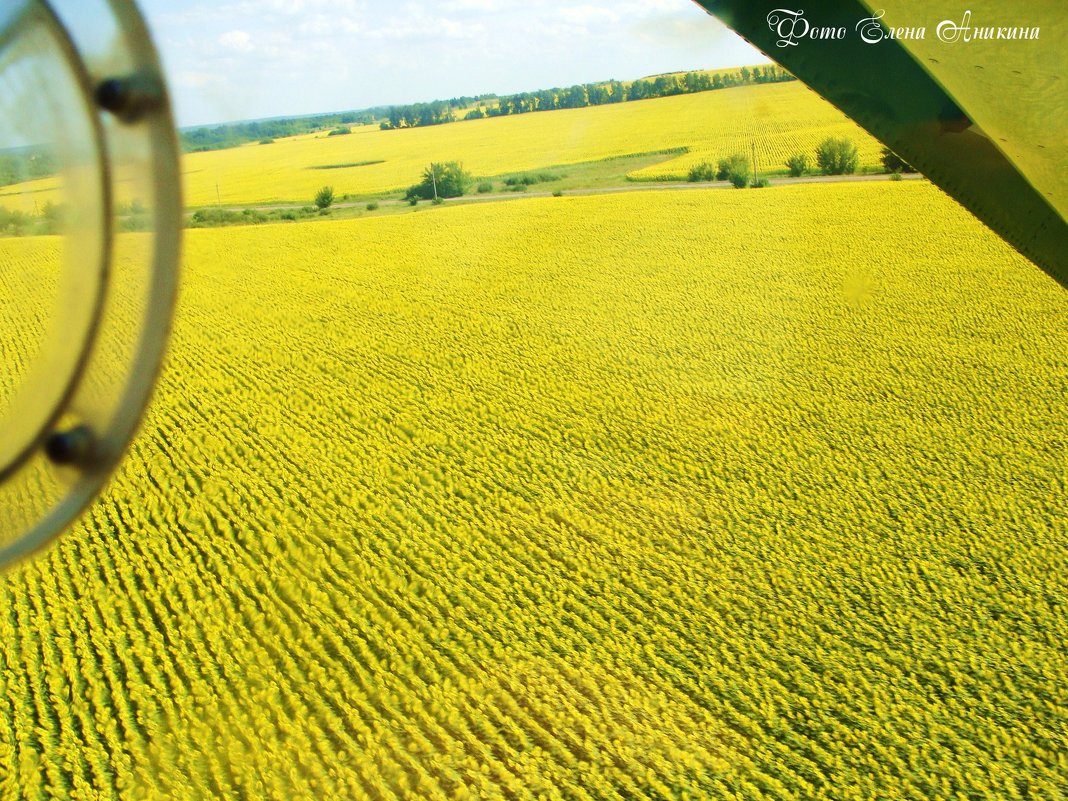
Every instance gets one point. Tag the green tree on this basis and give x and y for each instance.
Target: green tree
(738, 178)
(892, 162)
(441, 180)
(837, 156)
(733, 168)
(324, 198)
(703, 171)
(797, 164)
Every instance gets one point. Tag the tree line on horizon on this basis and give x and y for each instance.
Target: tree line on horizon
(439, 112)
(579, 96)
(233, 134)
(26, 164)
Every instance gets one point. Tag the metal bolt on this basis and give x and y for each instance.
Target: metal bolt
(129, 98)
(111, 95)
(69, 447)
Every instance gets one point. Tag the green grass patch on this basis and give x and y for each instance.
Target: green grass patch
(609, 171)
(531, 178)
(348, 164)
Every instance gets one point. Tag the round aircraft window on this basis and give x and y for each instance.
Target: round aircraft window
(88, 157)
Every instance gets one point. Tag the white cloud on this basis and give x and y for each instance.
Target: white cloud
(293, 8)
(241, 41)
(587, 15)
(196, 80)
(418, 26)
(683, 33)
(461, 30)
(647, 7)
(331, 25)
(475, 5)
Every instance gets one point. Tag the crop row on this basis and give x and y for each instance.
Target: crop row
(613, 505)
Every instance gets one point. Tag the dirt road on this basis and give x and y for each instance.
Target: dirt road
(636, 186)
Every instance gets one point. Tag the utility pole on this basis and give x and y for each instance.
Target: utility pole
(218, 197)
(434, 178)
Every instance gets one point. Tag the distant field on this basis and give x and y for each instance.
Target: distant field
(706, 495)
(779, 118)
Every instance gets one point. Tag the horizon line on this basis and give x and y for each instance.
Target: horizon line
(365, 109)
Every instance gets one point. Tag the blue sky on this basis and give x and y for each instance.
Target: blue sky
(241, 59)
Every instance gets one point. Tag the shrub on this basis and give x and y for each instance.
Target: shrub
(266, 141)
(739, 180)
(558, 193)
(324, 198)
(531, 178)
(307, 209)
(734, 168)
(13, 222)
(372, 206)
(52, 215)
(447, 179)
(702, 172)
(759, 183)
(893, 163)
(324, 212)
(736, 163)
(895, 176)
(438, 201)
(341, 130)
(837, 156)
(206, 217)
(484, 187)
(137, 222)
(135, 206)
(413, 201)
(797, 164)
(288, 215)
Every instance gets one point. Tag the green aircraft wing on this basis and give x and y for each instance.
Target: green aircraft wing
(973, 94)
